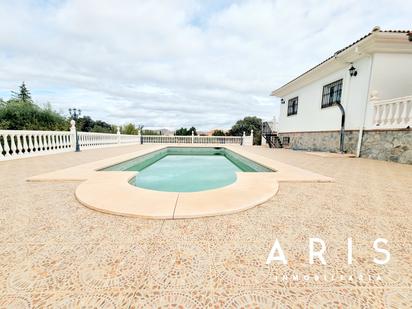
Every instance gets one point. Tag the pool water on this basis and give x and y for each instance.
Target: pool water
(187, 173)
(187, 169)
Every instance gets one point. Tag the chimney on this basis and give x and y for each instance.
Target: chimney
(376, 29)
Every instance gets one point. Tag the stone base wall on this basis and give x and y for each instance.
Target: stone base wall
(389, 145)
(321, 141)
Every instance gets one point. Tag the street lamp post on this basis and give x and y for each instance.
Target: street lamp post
(75, 114)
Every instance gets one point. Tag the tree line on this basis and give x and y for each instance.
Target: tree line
(20, 112)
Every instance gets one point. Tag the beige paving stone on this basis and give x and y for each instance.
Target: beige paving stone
(54, 252)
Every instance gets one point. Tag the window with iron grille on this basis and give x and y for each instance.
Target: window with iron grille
(293, 106)
(332, 93)
(286, 140)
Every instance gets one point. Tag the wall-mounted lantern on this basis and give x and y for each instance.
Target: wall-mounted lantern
(353, 71)
(282, 101)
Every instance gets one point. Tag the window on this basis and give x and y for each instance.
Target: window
(293, 106)
(286, 140)
(332, 93)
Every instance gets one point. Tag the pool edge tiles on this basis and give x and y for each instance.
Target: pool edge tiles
(141, 162)
(110, 192)
(114, 195)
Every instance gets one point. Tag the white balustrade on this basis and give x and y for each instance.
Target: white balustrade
(392, 114)
(16, 144)
(90, 140)
(161, 139)
(21, 143)
(129, 139)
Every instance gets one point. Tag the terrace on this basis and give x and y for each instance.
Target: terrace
(57, 253)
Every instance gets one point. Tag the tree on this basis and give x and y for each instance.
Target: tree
(22, 113)
(23, 94)
(218, 133)
(85, 124)
(16, 114)
(185, 131)
(103, 127)
(192, 129)
(181, 132)
(246, 125)
(130, 129)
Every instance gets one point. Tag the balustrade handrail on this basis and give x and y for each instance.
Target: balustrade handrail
(32, 132)
(391, 101)
(392, 113)
(189, 136)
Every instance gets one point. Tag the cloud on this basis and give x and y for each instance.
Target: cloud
(175, 63)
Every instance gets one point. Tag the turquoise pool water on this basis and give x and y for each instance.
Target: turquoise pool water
(184, 169)
(187, 173)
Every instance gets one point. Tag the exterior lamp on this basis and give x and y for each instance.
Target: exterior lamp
(409, 34)
(282, 101)
(75, 114)
(352, 71)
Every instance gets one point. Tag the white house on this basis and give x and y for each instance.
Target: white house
(372, 81)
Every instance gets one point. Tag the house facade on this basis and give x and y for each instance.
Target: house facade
(370, 81)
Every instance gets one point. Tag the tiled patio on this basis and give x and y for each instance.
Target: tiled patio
(56, 253)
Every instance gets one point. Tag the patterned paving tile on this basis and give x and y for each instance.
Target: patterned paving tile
(56, 253)
(179, 265)
(53, 267)
(114, 267)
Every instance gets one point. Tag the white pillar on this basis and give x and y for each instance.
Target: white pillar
(118, 135)
(139, 137)
(193, 137)
(73, 133)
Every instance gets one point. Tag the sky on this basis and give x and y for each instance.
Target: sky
(172, 63)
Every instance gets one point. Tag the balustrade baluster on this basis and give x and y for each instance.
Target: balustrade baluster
(393, 109)
(385, 114)
(41, 142)
(6, 145)
(56, 142)
(375, 115)
(31, 147)
(25, 144)
(66, 141)
(1, 147)
(51, 141)
(19, 147)
(406, 118)
(13, 145)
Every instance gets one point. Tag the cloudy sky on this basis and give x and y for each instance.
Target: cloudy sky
(175, 63)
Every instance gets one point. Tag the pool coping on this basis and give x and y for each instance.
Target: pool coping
(111, 192)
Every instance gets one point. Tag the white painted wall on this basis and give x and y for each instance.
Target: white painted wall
(391, 78)
(392, 75)
(311, 117)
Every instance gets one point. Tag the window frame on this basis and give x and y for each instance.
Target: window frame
(331, 98)
(293, 104)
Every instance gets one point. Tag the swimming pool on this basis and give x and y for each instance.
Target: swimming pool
(187, 169)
